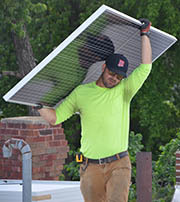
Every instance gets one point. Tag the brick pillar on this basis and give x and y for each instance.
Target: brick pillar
(48, 145)
(178, 167)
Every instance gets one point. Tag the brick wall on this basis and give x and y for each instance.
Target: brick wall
(48, 145)
(178, 167)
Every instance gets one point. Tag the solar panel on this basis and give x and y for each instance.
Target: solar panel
(79, 57)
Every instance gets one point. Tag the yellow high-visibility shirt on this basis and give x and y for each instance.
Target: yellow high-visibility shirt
(104, 113)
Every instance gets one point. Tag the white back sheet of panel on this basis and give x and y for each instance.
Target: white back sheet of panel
(78, 58)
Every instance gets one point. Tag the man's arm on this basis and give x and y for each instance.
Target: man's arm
(146, 50)
(145, 41)
(64, 111)
(134, 82)
(48, 114)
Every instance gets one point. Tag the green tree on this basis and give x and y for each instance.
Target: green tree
(164, 171)
(15, 50)
(45, 24)
(26, 27)
(150, 113)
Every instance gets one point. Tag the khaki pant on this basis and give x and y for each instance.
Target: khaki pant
(109, 182)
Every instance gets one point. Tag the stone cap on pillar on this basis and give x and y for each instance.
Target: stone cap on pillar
(48, 144)
(25, 119)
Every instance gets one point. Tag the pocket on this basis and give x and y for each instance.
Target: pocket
(82, 169)
(122, 163)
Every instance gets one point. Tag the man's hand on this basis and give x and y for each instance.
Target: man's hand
(146, 45)
(145, 27)
(39, 106)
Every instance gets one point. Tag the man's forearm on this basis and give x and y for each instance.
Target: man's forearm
(48, 114)
(146, 50)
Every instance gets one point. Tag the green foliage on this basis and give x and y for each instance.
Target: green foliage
(72, 129)
(10, 109)
(135, 146)
(153, 117)
(163, 181)
(72, 168)
(18, 13)
(164, 171)
(154, 110)
(13, 17)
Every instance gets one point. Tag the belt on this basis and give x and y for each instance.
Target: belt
(108, 159)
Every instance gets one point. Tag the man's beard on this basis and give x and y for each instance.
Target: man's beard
(106, 84)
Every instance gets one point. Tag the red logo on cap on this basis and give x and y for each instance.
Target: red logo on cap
(121, 63)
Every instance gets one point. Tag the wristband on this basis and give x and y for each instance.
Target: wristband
(39, 106)
(145, 33)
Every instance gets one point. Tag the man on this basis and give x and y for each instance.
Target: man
(104, 109)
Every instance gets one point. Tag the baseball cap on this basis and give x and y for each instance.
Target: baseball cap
(117, 63)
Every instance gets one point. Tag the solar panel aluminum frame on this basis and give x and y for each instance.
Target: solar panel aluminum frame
(68, 40)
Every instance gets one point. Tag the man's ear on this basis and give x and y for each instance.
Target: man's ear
(103, 67)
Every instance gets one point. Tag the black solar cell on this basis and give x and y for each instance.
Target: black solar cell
(78, 59)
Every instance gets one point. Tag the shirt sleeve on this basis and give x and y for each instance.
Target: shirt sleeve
(134, 82)
(67, 108)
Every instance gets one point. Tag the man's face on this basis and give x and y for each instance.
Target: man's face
(110, 79)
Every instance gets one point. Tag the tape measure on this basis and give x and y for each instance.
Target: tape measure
(79, 157)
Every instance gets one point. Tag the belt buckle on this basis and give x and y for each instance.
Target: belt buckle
(101, 161)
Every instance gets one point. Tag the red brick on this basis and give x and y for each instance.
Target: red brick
(15, 169)
(32, 126)
(48, 157)
(47, 174)
(178, 167)
(2, 125)
(52, 156)
(36, 158)
(13, 125)
(36, 170)
(58, 131)
(48, 148)
(16, 163)
(55, 143)
(59, 162)
(56, 126)
(39, 164)
(29, 132)
(59, 167)
(45, 132)
(38, 139)
(177, 173)
(177, 161)
(38, 151)
(49, 169)
(62, 149)
(48, 138)
(59, 137)
(64, 142)
(43, 157)
(9, 131)
(42, 169)
(38, 176)
(61, 155)
(35, 126)
(49, 163)
(177, 155)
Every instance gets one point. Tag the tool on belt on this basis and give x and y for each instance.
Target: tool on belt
(79, 157)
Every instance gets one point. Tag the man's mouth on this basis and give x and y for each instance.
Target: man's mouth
(112, 81)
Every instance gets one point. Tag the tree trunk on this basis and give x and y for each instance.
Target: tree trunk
(24, 53)
(25, 58)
